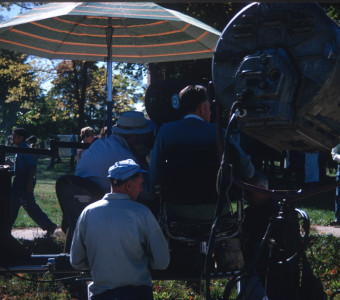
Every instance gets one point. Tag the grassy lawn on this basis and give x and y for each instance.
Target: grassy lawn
(323, 251)
(320, 208)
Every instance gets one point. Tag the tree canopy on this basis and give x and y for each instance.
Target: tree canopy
(19, 91)
(78, 89)
(79, 93)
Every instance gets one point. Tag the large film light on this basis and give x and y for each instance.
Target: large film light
(281, 61)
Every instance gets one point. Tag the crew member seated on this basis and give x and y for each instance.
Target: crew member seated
(193, 140)
(132, 138)
(126, 141)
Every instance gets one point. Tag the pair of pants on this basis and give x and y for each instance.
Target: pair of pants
(337, 197)
(128, 292)
(27, 200)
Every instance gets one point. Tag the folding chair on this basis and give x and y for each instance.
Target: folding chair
(74, 194)
(188, 197)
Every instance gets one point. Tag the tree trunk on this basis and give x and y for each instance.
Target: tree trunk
(80, 91)
(84, 82)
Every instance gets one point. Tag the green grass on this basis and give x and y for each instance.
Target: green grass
(320, 208)
(324, 256)
(323, 252)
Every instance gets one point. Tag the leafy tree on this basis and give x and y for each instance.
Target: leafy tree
(19, 90)
(23, 5)
(332, 10)
(79, 93)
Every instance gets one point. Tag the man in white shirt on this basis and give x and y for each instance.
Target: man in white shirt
(119, 239)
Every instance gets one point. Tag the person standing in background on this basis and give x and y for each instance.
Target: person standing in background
(55, 158)
(336, 157)
(22, 191)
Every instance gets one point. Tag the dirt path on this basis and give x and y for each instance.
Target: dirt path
(32, 232)
(327, 230)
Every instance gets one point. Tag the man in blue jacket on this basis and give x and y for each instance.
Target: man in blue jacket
(194, 130)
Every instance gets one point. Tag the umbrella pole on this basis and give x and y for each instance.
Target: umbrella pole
(109, 32)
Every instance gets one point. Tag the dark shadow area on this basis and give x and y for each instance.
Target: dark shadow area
(321, 201)
(43, 245)
(324, 200)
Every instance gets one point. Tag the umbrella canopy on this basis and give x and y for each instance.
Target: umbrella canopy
(142, 33)
(117, 31)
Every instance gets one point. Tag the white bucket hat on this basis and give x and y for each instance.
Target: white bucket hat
(133, 122)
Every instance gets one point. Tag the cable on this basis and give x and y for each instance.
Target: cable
(224, 179)
(40, 281)
(44, 281)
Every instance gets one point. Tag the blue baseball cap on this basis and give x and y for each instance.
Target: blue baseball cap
(124, 169)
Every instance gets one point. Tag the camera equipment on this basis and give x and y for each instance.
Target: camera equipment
(281, 61)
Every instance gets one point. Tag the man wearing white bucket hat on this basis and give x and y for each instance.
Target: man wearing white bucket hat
(129, 139)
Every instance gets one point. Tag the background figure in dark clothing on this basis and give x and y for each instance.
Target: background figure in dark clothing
(336, 157)
(55, 158)
(22, 191)
(32, 141)
(297, 166)
(9, 141)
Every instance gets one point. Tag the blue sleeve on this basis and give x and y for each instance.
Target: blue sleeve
(78, 256)
(29, 160)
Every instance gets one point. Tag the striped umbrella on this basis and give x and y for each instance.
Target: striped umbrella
(117, 31)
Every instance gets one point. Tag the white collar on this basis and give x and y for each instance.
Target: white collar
(114, 196)
(193, 116)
